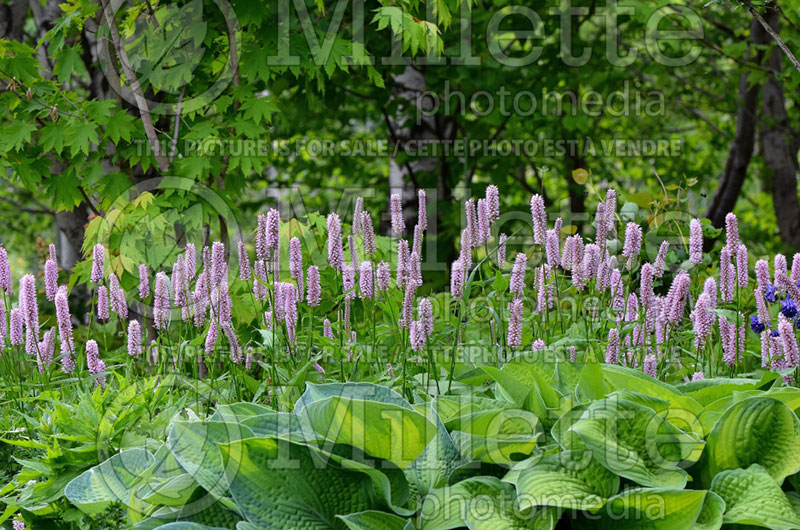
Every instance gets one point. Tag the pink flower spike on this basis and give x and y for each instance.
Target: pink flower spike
(501, 250)
(633, 243)
(314, 290)
(422, 209)
(365, 280)
(384, 276)
(612, 349)
(144, 282)
(102, 303)
(296, 263)
(244, 262)
(695, 242)
(98, 261)
(539, 219)
(335, 250)
(457, 279)
(134, 338)
(50, 279)
(493, 201)
(732, 232)
(396, 208)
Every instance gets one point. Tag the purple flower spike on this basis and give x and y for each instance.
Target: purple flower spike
(50, 279)
(144, 282)
(244, 262)
(102, 303)
(695, 242)
(314, 289)
(98, 262)
(396, 208)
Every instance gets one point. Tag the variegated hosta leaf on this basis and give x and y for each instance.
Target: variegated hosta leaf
(753, 497)
(280, 484)
(634, 442)
(114, 480)
(571, 480)
(758, 430)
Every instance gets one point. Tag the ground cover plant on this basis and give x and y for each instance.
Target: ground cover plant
(310, 378)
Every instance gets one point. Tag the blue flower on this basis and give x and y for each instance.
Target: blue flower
(775, 333)
(788, 308)
(770, 293)
(755, 325)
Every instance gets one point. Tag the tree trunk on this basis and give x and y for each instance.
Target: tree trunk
(12, 19)
(741, 150)
(780, 154)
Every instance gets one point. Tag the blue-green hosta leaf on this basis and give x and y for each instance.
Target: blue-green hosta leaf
(753, 497)
(184, 525)
(371, 520)
(383, 430)
(451, 407)
(236, 412)
(706, 391)
(788, 395)
(562, 431)
(623, 378)
(648, 508)
(173, 491)
(710, 517)
(390, 484)
(493, 436)
(572, 480)
(530, 386)
(657, 404)
(567, 377)
(480, 503)
(200, 508)
(111, 481)
(758, 430)
(280, 424)
(279, 484)
(364, 391)
(634, 442)
(195, 446)
(432, 468)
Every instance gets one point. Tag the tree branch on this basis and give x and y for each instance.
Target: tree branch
(773, 34)
(136, 88)
(177, 126)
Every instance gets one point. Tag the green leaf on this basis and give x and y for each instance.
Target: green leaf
(493, 436)
(454, 507)
(571, 480)
(365, 391)
(651, 508)
(758, 430)
(80, 137)
(710, 517)
(68, 62)
(382, 430)
(16, 135)
(195, 446)
(371, 519)
(432, 468)
(753, 497)
(110, 481)
(52, 137)
(634, 442)
(280, 484)
(120, 126)
(185, 525)
(623, 378)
